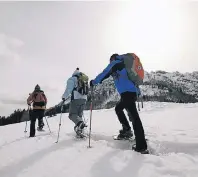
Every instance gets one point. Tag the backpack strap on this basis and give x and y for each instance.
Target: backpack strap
(75, 88)
(34, 95)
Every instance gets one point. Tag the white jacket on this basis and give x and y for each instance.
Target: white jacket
(72, 83)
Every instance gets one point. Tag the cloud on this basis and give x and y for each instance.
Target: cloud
(9, 101)
(12, 99)
(9, 48)
(50, 88)
(8, 105)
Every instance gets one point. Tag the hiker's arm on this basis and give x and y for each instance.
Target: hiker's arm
(29, 100)
(70, 87)
(112, 67)
(45, 98)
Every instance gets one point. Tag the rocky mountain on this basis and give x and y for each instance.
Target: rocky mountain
(158, 86)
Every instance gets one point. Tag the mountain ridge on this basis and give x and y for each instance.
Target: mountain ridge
(158, 85)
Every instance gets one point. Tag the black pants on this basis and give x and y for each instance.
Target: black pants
(36, 113)
(127, 102)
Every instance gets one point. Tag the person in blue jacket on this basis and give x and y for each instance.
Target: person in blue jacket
(128, 93)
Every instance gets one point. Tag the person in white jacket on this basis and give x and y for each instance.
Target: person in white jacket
(77, 103)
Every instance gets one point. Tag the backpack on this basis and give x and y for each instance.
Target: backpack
(39, 98)
(83, 86)
(135, 70)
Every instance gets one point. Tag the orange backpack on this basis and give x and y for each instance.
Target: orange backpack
(134, 68)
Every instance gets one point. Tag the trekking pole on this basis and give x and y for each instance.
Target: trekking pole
(91, 108)
(138, 98)
(25, 131)
(138, 106)
(142, 102)
(60, 123)
(48, 124)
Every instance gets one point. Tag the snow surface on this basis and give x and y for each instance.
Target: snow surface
(172, 130)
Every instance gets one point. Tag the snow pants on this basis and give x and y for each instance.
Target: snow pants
(127, 102)
(36, 113)
(76, 109)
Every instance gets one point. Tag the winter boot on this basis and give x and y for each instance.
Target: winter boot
(41, 125)
(79, 127)
(125, 133)
(40, 129)
(142, 151)
(31, 136)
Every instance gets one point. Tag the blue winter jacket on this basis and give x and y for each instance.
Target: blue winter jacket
(117, 69)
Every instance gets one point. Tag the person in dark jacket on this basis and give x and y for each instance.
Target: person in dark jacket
(39, 100)
(128, 93)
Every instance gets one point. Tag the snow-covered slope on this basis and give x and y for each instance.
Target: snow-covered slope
(171, 129)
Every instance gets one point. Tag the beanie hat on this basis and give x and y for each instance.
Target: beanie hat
(76, 72)
(37, 87)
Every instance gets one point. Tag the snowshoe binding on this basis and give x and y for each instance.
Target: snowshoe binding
(79, 130)
(124, 135)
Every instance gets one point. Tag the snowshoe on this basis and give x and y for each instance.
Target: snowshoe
(117, 137)
(81, 136)
(144, 151)
(125, 134)
(40, 129)
(79, 127)
(79, 130)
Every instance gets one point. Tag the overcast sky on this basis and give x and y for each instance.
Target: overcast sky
(43, 42)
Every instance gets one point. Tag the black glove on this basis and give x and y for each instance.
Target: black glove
(63, 99)
(91, 83)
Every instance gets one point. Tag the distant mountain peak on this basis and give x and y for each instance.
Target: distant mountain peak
(158, 86)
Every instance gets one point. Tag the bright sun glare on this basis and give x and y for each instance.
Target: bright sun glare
(153, 29)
